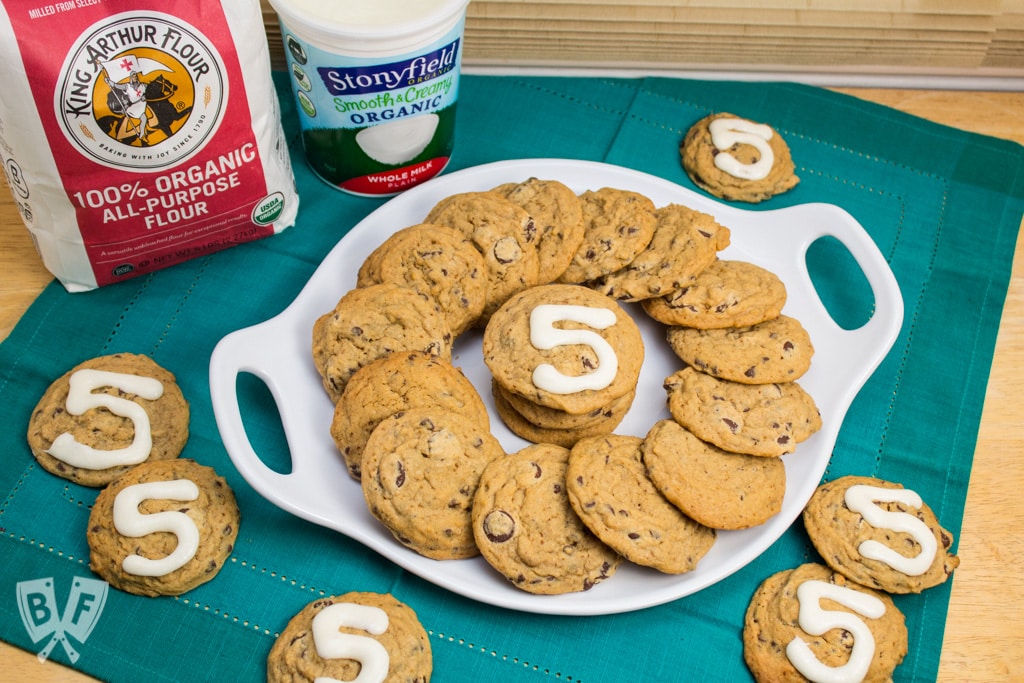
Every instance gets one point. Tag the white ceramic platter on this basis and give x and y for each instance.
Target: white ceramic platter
(319, 489)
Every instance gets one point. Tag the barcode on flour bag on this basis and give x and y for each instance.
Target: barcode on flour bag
(136, 135)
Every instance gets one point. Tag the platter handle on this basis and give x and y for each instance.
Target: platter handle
(259, 351)
(869, 343)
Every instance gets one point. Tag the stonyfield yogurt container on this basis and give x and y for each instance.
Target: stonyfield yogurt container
(376, 83)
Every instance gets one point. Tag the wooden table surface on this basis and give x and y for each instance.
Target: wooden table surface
(984, 638)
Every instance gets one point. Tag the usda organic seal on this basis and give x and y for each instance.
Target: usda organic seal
(269, 209)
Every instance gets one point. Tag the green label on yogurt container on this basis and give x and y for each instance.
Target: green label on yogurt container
(376, 126)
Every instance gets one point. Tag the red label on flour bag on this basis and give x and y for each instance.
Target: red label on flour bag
(137, 137)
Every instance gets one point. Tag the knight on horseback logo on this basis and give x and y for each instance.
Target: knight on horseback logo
(139, 107)
(141, 92)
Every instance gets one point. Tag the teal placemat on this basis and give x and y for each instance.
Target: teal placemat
(944, 207)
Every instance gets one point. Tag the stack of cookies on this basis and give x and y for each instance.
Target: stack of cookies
(565, 361)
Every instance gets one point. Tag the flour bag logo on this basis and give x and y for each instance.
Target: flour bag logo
(40, 615)
(141, 91)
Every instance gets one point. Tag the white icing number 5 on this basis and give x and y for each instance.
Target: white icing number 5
(864, 500)
(130, 522)
(81, 397)
(817, 621)
(727, 132)
(544, 335)
(333, 644)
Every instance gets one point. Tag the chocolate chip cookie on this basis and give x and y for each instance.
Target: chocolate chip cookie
(617, 226)
(879, 534)
(758, 419)
(777, 350)
(368, 323)
(162, 528)
(685, 242)
(398, 382)
(420, 470)
(355, 636)
(564, 346)
(436, 260)
(719, 489)
(737, 159)
(526, 528)
(609, 489)
(106, 415)
(558, 218)
(504, 233)
(727, 293)
(810, 623)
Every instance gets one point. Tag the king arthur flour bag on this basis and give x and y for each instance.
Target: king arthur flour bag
(136, 134)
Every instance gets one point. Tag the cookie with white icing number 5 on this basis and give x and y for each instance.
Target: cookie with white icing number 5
(364, 637)
(106, 415)
(737, 159)
(879, 534)
(162, 528)
(566, 347)
(811, 624)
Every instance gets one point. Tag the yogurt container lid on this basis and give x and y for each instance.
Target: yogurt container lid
(382, 24)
